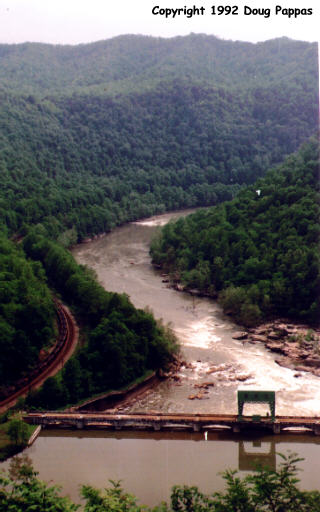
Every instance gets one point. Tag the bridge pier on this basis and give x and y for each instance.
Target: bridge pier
(276, 428)
(196, 427)
(316, 430)
(156, 426)
(79, 424)
(236, 429)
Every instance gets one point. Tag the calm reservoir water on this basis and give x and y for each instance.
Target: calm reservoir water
(150, 464)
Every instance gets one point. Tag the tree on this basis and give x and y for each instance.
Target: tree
(18, 431)
(113, 499)
(21, 490)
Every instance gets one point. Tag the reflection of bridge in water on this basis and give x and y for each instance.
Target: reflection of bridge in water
(251, 459)
(175, 422)
(262, 452)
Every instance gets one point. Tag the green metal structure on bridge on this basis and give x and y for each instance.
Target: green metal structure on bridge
(257, 397)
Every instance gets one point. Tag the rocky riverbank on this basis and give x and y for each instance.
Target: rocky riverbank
(298, 345)
(222, 373)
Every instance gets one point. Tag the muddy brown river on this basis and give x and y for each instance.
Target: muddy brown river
(122, 263)
(150, 464)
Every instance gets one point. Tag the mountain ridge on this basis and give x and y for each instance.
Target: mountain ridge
(130, 57)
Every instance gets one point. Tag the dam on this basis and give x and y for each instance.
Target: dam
(174, 422)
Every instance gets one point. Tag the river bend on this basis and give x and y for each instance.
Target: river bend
(122, 263)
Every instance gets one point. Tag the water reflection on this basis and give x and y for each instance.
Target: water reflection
(256, 454)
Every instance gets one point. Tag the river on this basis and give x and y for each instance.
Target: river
(122, 263)
(150, 464)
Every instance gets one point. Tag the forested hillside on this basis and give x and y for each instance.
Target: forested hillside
(96, 135)
(26, 312)
(259, 252)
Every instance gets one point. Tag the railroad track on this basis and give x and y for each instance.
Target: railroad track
(61, 352)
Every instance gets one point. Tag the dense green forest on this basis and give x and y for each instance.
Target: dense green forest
(265, 490)
(26, 312)
(135, 63)
(260, 251)
(92, 136)
(96, 135)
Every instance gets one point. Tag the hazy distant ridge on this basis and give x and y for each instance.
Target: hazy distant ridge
(125, 60)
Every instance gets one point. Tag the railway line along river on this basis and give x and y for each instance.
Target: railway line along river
(150, 464)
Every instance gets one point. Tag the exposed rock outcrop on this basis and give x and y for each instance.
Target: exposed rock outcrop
(297, 344)
(240, 335)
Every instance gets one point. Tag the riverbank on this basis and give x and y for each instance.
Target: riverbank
(298, 345)
(114, 400)
(175, 284)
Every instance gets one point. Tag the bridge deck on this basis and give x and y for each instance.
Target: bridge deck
(172, 421)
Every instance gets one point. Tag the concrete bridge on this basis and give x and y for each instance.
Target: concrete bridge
(174, 422)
